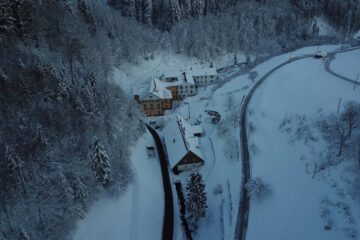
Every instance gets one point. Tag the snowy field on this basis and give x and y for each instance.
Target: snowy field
(347, 64)
(138, 214)
(298, 204)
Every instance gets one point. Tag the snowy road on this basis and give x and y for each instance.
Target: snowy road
(243, 214)
(168, 223)
(331, 57)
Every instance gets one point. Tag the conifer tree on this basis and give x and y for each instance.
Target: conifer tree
(101, 163)
(196, 200)
(148, 8)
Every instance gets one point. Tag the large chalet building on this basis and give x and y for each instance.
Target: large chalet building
(174, 86)
(181, 142)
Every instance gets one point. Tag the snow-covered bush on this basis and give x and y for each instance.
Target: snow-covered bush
(231, 150)
(257, 189)
(218, 189)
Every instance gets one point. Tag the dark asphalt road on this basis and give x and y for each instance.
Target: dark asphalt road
(168, 224)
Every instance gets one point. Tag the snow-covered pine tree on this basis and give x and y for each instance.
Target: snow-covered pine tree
(172, 13)
(147, 12)
(14, 164)
(197, 8)
(23, 235)
(7, 21)
(67, 193)
(196, 200)
(185, 9)
(100, 163)
(139, 10)
(129, 9)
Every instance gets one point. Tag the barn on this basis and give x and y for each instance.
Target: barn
(181, 142)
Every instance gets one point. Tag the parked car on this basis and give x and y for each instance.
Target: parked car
(320, 54)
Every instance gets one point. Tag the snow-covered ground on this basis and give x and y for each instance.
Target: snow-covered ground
(325, 28)
(295, 209)
(219, 171)
(347, 64)
(138, 214)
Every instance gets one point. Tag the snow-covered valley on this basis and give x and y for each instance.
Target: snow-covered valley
(304, 202)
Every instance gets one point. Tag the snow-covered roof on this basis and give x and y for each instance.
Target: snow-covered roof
(188, 78)
(158, 91)
(172, 73)
(202, 71)
(179, 140)
(163, 84)
(197, 129)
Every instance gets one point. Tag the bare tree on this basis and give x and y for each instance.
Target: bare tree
(335, 130)
(351, 115)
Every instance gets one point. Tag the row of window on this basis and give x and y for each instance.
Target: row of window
(204, 77)
(186, 92)
(200, 83)
(153, 113)
(186, 86)
(151, 106)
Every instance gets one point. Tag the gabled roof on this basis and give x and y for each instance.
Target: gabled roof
(188, 78)
(158, 91)
(172, 73)
(179, 140)
(149, 95)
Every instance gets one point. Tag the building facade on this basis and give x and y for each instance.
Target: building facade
(174, 86)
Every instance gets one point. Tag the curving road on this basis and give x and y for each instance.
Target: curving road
(331, 57)
(168, 224)
(243, 213)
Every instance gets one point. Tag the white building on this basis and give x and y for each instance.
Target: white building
(204, 76)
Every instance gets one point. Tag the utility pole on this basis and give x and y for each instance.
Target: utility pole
(356, 81)
(339, 106)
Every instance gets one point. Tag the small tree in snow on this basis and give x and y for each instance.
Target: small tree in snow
(195, 200)
(23, 235)
(253, 75)
(100, 163)
(257, 189)
(15, 164)
(335, 129)
(351, 115)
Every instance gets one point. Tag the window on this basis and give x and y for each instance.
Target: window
(181, 87)
(212, 76)
(158, 105)
(192, 86)
(151, 106)
(186, 86)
